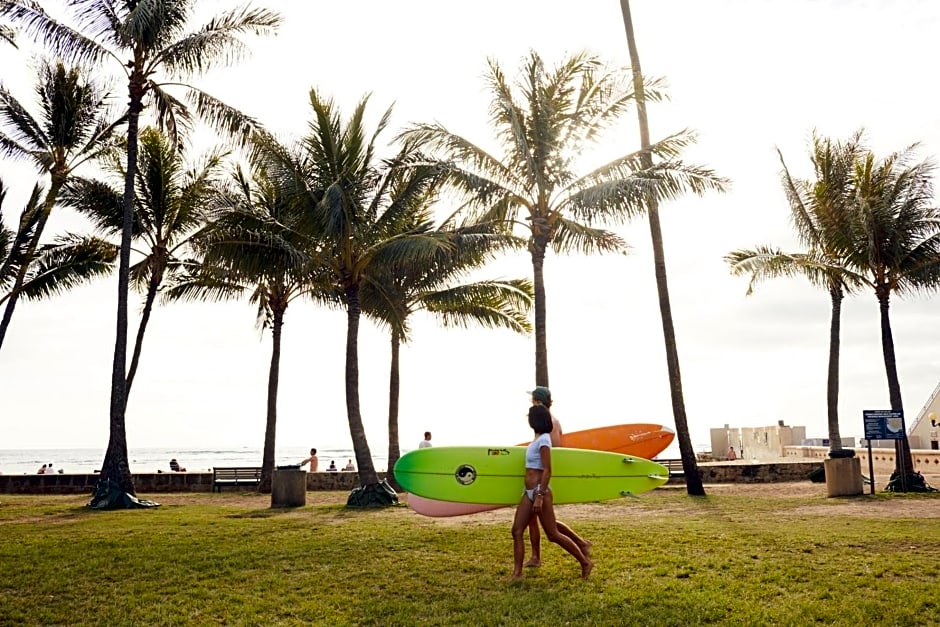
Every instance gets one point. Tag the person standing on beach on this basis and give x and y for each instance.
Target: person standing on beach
(426, 442)
(536, 500)
(312, 460)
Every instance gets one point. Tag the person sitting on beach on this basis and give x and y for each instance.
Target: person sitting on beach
(312, 460)
(175, 466)
(332, 467)
(349, 466)
(42, 470)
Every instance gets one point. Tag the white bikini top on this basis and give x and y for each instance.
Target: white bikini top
(533, 455)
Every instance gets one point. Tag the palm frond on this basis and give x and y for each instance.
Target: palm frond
(217, 43)
(69, 261)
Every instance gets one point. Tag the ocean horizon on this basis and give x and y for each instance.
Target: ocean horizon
(145, 460)
(202, 459)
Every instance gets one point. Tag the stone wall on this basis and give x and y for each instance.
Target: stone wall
(752, 472)
(150, 483)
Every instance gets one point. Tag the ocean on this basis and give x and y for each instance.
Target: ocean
(144, 460)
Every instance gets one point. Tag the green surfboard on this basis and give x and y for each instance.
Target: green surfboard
(495, 475)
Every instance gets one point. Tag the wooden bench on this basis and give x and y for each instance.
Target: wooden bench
(235, 476)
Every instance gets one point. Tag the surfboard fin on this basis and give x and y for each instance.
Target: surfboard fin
(629, 494)
(629, 460)
(659, 477)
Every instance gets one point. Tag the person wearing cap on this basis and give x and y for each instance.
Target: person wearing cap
(541, 395)
(536, 500)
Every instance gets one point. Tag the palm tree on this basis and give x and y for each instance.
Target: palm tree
(816, 207)
(145, 39)
(8, 35)
(249, 248)
(690, 467)
(543, 122)
(437, 288)
(72, 128)
(170, 207)
(895, 244)
(359, 219)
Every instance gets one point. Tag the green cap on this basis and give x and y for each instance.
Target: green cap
(542, 394)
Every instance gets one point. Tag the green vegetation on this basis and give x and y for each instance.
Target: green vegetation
(662, 559)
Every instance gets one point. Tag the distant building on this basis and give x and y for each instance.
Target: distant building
(924, 432)
(755, 442)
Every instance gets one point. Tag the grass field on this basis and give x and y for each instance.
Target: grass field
(755, 556)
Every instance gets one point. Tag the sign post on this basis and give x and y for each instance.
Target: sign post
(882, 424)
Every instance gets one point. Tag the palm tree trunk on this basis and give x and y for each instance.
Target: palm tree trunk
(156, 277)
(904, 464)
(832, 388)
(693, 480)
(115, 466)
(40, 224)
(539, 244)
(394, 388)
(267, 459)
(367, 474)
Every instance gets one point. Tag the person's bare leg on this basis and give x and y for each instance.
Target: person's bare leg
(519, 524)
(535, 539)
(583, 544)
(552, 532)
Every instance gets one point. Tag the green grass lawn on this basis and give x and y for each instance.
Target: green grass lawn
(662, 559)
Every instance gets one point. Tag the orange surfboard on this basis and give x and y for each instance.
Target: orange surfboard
(637, 439)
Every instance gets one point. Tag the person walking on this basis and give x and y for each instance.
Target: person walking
(541, 395)
(536, 500)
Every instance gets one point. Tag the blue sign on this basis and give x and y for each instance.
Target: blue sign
(883, 424)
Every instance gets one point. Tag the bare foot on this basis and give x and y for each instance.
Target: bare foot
(533, 563)
(586, 549)
(586, 570)
(515, 577)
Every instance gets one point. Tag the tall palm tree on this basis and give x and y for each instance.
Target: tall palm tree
(145, 40)
(73, 126)
(895, 245)
(816, 207)
(250, 248)
(690, 467)
(438, 288)
(170, 207)
(358, 218)
(544, 122)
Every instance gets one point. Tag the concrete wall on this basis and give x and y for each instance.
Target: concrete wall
(749, 472)
(149, 483)
(926, 462)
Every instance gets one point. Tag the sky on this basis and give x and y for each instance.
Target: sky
(749, 76)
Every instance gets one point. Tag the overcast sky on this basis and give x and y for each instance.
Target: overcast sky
(749, 76)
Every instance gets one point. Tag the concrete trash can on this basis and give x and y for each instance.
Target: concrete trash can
(289, 487)
(843, 476)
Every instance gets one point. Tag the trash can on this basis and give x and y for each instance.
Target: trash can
(289, 487)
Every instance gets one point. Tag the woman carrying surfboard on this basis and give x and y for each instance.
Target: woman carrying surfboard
(536, 499)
